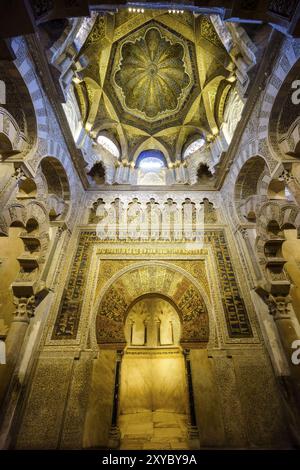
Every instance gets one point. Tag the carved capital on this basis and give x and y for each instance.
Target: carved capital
(286, 176)
(119, 356)
(244, 232)
(186, 353)
(279, 307)
(114, 437)
(19, 175)
(61, 229)
(25, 307)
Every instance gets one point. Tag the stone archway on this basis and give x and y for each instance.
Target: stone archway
(161, 282)
(152, 278)
(251, 187)
(58, 187)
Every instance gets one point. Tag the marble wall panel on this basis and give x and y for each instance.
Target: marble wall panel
(100, 403)
(208, 406)
(153, 382)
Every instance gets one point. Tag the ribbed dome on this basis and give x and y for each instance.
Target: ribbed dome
(152, 74)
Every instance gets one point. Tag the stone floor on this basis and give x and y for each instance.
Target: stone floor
(153, 430)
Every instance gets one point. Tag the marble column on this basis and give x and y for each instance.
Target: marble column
(114, 434)
(25, 307)
(193, 433)
(280, 309)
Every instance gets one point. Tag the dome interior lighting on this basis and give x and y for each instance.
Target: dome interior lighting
(151, 160)
(151, 163)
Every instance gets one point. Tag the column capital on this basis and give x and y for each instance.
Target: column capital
(186, 353)
(119, 356)
(25, 307)
(279, 306)
(19, 175)
(244, 232)
(62, 227)
(243, 229)
(286, 176)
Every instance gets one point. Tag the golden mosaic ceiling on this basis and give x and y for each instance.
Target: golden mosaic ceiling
(153, 80)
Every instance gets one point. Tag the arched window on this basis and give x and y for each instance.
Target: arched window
(56, 177)
(108, 145)
(246, 184)
(151, 160)
(193, 147)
